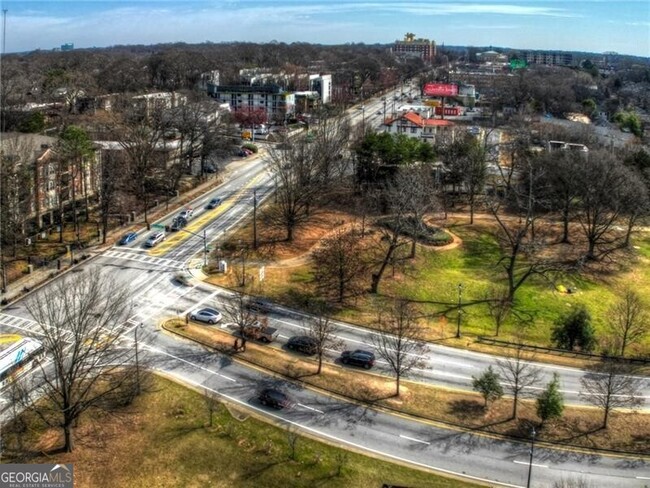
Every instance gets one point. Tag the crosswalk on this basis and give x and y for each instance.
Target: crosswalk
(144, 258)
(157, 302)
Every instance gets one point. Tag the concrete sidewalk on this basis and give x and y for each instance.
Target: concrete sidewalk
(43, 274)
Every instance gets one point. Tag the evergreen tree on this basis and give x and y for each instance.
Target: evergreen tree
(550, 403)
(488, 385)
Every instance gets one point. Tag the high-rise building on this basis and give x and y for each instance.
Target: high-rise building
(410, 46)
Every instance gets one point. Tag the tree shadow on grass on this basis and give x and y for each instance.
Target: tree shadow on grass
(256, 470)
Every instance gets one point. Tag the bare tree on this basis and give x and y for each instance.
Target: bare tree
(241, 313)
(339, 264)
(518, 375)
(628, 320)
(80, 319)
(211, 405)
(611, 385)
(399, 339)
(322, 330)
(499, 306)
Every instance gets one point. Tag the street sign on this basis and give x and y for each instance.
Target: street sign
(158, 226)
(262, 273)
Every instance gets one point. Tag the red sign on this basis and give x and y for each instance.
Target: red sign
(440, 90)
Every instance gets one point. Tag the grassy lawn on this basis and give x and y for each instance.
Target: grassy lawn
(165, 440)
(578, 427)
(434, 274)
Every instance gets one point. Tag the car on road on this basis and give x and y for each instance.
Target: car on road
(259, 305)
(128, 238)
(214, 203)
(154, 239)
(379, 112)
(207, 315)
(359, 357)
(186, 213)
(183, 278)
(304, 344)
(177, 224)
(272, 397)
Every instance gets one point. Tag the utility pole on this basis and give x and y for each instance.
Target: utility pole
(3, 271)
(460, 296)
(137, 361)
(255, 218)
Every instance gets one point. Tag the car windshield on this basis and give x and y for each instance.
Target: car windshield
(209, 311)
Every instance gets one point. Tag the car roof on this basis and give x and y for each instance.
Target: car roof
(210, 310)
(361, 352)
(274, 392)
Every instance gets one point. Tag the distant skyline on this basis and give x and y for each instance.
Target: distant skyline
(572, 25)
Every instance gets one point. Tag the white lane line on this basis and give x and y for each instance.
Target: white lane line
(309, 408)
(344, 441)
(198, 304)
(642, 478)
(531, 464)
(160, 351)
(414, 439)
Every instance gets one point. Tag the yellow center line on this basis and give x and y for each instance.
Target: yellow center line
(195, 225)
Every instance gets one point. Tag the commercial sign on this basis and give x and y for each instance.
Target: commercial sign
(440, 90)
(36, 475)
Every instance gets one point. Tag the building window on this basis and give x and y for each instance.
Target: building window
(414, 130)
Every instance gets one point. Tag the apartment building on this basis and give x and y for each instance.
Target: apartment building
(271, 98)
(410, 46)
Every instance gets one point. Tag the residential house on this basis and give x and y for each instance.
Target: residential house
(414, 125)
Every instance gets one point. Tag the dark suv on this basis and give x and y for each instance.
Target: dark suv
(272, 397)
(365, 359)
(305, 344)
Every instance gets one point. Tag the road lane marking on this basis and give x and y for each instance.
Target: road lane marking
(531, 464)
(201, 302)
(414, 439)
(309, 408)
(160, 351)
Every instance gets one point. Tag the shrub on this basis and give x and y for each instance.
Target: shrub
(251, 147)
(575, 330)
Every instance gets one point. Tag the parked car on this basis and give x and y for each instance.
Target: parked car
(210, 168)
(214, 203)
(128, 238)
(187, 213)
(207, 315)
(272, 397)
(177, 224)
(304, 344)
(154, 239)
(365, 359)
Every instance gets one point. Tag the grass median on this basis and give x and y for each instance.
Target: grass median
(628, 432)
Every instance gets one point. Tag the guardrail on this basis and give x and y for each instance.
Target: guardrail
(560, 352)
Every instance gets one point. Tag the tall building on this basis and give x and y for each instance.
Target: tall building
(410, 46)
(271, 98)
(323, 85)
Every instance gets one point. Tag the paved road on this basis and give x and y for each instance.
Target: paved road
(156, 295)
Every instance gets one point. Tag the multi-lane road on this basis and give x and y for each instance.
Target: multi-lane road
(157, 295)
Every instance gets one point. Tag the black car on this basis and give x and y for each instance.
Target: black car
(178, 223)
(365, 359)
(305, 344)
(259, 305)
(273, 397)
(214, 203)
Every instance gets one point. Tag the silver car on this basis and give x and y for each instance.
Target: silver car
(155, 238)
(208, 315)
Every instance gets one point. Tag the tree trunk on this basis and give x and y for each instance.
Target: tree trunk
(290, 233)
(565, 226)
(320, 363)
(68, 445)
(606, 417)
(515, 402)
(397, 380)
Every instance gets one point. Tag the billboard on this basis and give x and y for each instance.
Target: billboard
(440, 90)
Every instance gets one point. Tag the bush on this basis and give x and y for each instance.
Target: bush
(550, 404)
(488, 385)
(575, 330)
(250, 146)
(425, 233)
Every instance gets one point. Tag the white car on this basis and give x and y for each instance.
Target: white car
(208, 315)
(186, 214)
(155, 238)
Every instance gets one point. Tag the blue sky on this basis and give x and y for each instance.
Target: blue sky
(594, 25)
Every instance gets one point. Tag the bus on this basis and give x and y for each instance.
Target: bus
(19, 358)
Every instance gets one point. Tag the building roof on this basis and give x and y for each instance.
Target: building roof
(420, 121)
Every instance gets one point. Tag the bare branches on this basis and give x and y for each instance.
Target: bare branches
(399, 338)
(518, 375)
(628, 320)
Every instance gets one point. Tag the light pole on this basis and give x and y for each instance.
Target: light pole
(363, 118)
(460, 297)
(205, 243)
(255, 218)
(243, 264)
(530, 462)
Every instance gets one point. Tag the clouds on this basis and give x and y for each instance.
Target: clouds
(514, 23)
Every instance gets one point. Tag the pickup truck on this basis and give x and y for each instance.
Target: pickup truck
(260, 331)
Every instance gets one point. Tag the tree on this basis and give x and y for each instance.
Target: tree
(322, 330)
(241, 313)
(398, 339)
(518, 376)
(80, 319)
(611, 385)
(574, 330)
(550, 403)
(299, 186)
(628, 320)
(339, 264)
(499, 306)
(488, 385)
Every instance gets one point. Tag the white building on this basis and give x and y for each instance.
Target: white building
(413, 125)
(323, 85)
(271, 98)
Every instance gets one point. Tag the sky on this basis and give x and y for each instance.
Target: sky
(574, 25)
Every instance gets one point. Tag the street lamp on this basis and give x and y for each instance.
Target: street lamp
(460, 297)
(532, 450)
(243, 264)
(383, 99)
(205, 243)
(363, 118)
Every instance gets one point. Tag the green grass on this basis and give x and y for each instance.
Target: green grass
(166, 441)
